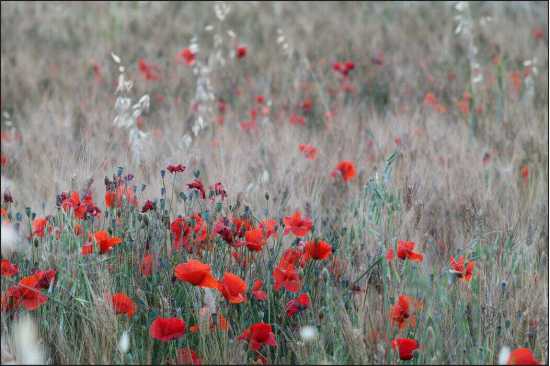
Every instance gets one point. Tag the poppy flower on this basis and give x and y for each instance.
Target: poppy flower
(188, 56)
(38, 226)
(221, 229)
(519, 356)
(105, 241)
(317, 250)
(115, 198)
(180, 230)
(406, 347)
(431, 100)
(8, 269)
(537, 33)
(346, 169)
(146, 266)
(149, 71)
(296, 119)
(286, 277)
(87, 249)
(197, 184)
(291, 256)
(260, 99)
(458, 269)
(298, 226)
(524, 171)
(219, 190)
(148, 206)
(175, 168)
(45, 278)
(241, 52)
(401, 312)
(389, 255)
(29, 294)
(269, 228)
(343, 67)
(196, 273)
(242, 225)
(167, 329)
(309, 151)
(298, 304)
(186, 356)
(257, 291)
(233, 288)
(405, 251)
(255, 239)
(259, 334)
(122, 304)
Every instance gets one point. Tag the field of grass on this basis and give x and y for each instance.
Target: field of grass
(139, 138)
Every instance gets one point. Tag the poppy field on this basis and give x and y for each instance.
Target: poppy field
(274, 183)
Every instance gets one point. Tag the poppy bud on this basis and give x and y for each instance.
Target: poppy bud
(162, 173)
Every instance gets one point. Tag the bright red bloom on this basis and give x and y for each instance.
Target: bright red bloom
(149, 71)
(309, 151)
(38, 226)
(196, 273)
(269, 227)
(255, 239)
(406, 347)
(29, 293)
(122, 304)
(401, 312)
(184, 229)
(318, 250)
(45, 278)
(242, 225)
(188, 56)
(291, 257)
(405, 251)
(115, 198)
(87, 248)
(259, 334)
(298, 226)
(8, 269)
(458, 268)
(146, 266)
(287, 277)
(175, 168)
(241, 52)
(233, 288)
(105, 241)
(167, 329)
(257, 291)
(186, 356)
(197, 184)
(298, 304)
(346, 169)
(522, 356)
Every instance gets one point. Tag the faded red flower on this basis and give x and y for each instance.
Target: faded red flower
(286, 277)
(87, 248)
(167, 329)
(146, 266)
(269, 228)
(149, 71)
(259, 334)
(298, 226)
(346, 169)
(309, 151)
(8, 269)
(148, 206)
(197, 184)
(405, 251)
(186, 356)
(176, 168)
(458, 269)
(257, 291)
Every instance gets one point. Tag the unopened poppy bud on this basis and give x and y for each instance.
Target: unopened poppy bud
(119, 171)
(28, 211)
(162, 173)
(266, 196)
(503, 285)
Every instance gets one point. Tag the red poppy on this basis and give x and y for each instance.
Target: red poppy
(87, 248)
(45, 278)
(167, 329)
(241, 260)
(148, 206)
(458, 269)
(105, 241)
(188, 56)
(219, 190)
(175, 168)
(115, 198)
(122, 304)
(346, 169)
(296, 119)
(146, 266)
(197, 184)
(8, 269)
(257, 291)
(317, 250)
(343, 67)
(298, 304)
(309, 151)
(241, 52)
(431, 100)
(186, 356)
(29, 293)
(196, 273)
(286, 277)
(525, 173)
(233, 288)
(149, 71)
(405, 251)
(269, 228)
(298, 226)
(260, 99)
(401, 312)
(406, 347)
(291, 256)
(389, 255)
(255, 239)
(223, 230)
(538, 33)
(38, 226)
(522, 356)
(259, 334)
(242, 225)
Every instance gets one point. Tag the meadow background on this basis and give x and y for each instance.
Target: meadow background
(458, 174)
